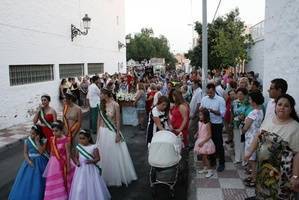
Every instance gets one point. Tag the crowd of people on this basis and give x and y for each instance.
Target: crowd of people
(61, 161)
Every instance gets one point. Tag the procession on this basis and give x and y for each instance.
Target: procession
(62, 161)
(149, 100)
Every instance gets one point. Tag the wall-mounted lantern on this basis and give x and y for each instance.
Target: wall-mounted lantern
(86, 24)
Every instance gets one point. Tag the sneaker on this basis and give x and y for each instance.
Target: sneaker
(220, 168)
(203, 171)
(209, 174)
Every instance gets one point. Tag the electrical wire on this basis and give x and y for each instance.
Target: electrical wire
(216, 10)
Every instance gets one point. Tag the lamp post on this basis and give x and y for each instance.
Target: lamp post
(86, 25)
(204, 46)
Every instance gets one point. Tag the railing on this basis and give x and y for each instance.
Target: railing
(257, 31)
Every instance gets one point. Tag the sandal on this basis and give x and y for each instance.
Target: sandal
(250, 184)
(248, 171)
(228, 141)
(247, 180)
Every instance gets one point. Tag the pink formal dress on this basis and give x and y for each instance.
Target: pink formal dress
(208, 147)
(57, 184)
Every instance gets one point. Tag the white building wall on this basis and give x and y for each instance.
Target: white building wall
(256, 62)
(38, 32)
(282, 44)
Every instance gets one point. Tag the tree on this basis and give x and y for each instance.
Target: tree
(145, 45)
(227, 42)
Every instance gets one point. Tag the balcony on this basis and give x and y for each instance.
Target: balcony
(257, 31)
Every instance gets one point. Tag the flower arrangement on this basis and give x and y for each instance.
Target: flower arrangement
(121, 96)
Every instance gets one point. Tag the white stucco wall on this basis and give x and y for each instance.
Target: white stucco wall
(282, 44)
(256, 62)
(38, 32)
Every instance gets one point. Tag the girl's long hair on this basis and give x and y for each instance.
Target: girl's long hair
(206, 115)
(107, 92)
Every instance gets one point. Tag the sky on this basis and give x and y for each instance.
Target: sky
(173, 18)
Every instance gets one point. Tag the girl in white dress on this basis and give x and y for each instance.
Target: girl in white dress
(87, 181)
(116, 163)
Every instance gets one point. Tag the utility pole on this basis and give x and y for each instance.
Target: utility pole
(204, 66)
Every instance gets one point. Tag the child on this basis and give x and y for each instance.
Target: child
(87, 182)
(29, 183)
(59, 171)
(204, 144)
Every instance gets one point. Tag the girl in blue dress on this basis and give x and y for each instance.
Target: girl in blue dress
(29, 183)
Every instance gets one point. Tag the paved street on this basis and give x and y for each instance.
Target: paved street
(11, 159)
(226, 185)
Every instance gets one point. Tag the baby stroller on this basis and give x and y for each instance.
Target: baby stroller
(164, 157)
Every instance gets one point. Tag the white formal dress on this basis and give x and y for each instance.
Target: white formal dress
(87, 182)
(116, 163)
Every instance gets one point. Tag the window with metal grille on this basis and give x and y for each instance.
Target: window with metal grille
(25, 74)
(71, 70)
(95, 68)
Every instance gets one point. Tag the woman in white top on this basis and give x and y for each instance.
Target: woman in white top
(251, 127)
(158, 119)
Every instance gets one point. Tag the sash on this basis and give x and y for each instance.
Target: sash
(43, 119)
(34, 145)
(61, 161)
(75, 126)
(88, 156)
(109, 124)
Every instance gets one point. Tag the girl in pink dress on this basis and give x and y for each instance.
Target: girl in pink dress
(59, 171)
(204, 145)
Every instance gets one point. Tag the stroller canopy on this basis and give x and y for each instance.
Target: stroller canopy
(165, 149)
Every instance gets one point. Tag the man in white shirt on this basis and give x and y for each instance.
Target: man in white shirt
(94, 98)
(216, 105)
(219, 90)
(194, 106)
(278, 87)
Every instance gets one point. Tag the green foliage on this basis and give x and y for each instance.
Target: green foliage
(145, 45)
(227, 42)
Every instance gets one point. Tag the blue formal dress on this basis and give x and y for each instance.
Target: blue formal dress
(29, 183)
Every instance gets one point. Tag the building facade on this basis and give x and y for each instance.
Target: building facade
(281, 58)
(36, 50)
(277, 52)
(256, 52)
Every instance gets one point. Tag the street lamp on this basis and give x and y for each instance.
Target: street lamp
(86, 25)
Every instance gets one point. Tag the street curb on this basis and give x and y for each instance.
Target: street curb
(13, 144)
(21, 140)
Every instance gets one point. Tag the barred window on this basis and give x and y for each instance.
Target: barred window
(71, 70)
(25, 74)
(95, 68)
